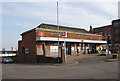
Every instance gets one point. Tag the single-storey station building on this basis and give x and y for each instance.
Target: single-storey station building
(40, 45)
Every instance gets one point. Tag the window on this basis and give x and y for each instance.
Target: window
(53, 48)
(115, 24)
(101, 33)
(109, 34)
(105, 33)
(23, 50)
(26, 50)
(39, 51)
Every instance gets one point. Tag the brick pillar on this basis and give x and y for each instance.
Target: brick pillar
(75, 49)
(84, 47)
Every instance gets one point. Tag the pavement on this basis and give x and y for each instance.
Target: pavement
(87, 58)
(87, 67)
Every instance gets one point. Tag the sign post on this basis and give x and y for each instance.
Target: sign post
(64, 35)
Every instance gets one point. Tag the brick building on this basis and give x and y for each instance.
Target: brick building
(41, 44)
(116, 34)
(105, 31)
(110, 33)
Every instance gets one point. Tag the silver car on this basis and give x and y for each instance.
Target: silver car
(6, 60)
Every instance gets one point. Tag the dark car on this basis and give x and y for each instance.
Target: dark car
(6, 60)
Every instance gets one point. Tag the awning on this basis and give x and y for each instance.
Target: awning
(69, 40)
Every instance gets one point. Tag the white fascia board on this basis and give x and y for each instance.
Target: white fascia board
(95, 41)
(68, 40)
(56, 39)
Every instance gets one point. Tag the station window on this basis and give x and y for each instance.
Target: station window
(53, 48)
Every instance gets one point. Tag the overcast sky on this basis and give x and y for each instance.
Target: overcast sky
(18, 17)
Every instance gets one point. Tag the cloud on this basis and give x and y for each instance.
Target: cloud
(36, 11)
(108, 8)
(60, 0)
(68, 14)
(22, 16)
(98, 14)
(73, 15)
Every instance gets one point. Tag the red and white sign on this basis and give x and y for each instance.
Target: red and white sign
(64, 34)
(99, 38)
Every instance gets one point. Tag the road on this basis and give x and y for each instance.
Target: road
(0, 71)
(83, 70)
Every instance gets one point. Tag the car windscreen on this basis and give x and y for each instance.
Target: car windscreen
(7, 59)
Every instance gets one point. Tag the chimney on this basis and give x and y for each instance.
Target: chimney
(91, 29)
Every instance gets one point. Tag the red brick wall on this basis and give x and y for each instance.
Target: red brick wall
(70, 35)
(28, 41)
(107, 29)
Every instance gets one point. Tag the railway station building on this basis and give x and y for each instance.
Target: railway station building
(40, 45)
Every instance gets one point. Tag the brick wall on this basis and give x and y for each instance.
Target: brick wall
(70, 35)
(28, 41)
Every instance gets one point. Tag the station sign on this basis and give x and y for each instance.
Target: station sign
(99, 38)
(64, 34)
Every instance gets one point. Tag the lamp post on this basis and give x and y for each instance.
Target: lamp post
(58, 31)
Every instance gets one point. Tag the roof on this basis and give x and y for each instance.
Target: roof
(65, 28)
(115, 20)
(28, 31)
(54, 28)
(100, 29)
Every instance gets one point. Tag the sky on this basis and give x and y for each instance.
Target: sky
(17, 17)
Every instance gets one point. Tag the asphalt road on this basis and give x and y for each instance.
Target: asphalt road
(89, 70)
(0, 71)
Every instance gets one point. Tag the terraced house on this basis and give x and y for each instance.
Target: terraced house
(41, 43)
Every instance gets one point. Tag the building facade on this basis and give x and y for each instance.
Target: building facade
(110, 33)
(105, 31)
(41, 44)
(116, 34)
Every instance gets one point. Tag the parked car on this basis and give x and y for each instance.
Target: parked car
(1, 60)
(6, 60)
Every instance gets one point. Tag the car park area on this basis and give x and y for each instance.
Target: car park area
(88, 67)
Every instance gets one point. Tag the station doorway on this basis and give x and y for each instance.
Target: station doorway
(68, 48)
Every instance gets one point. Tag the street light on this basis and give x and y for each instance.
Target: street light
(58, 31)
